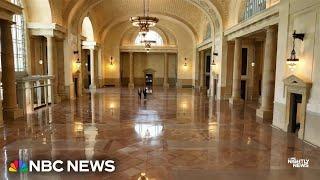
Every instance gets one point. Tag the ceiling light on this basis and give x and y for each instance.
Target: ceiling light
(147, 44)
(144, 22)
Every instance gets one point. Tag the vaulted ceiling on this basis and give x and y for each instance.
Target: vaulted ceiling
(105, 12)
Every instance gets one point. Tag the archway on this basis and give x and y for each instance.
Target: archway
(89, 68)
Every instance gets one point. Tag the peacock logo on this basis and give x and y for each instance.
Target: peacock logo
(18, 166)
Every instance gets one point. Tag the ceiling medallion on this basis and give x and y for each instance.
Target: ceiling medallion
(144, 22)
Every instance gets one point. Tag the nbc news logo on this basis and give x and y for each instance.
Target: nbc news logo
(19, 166)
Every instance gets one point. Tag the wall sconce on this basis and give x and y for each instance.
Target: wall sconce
(111, 61)
(293, 60)
(185, 62)
(253, 64)
(78, 62)
(112, 106)
(40, 62)
(213, 62)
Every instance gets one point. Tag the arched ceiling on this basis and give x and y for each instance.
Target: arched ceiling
(68, 13)
(104, 12)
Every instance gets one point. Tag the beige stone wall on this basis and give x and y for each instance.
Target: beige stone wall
(304, 17)
(143, 61)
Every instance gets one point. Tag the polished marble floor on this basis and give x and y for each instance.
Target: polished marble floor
(175, 134)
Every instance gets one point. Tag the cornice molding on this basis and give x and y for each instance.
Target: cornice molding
(155, 49)
(260, 21)
(47, 29)
(8, 9)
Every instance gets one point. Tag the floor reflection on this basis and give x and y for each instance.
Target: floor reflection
(175, 134)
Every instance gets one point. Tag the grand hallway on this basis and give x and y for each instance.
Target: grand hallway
(175, 134)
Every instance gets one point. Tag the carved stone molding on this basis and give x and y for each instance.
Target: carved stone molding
(50, 29)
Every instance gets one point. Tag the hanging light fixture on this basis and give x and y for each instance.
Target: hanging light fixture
(144, 22)
(142, 176)
(185, 62)
(148, 44)
(293, 60)
(213, 62)
(111, 61)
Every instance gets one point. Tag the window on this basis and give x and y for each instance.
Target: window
(253, 7)
(151, 35)
(18, 38)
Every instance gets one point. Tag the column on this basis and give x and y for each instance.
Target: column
(1, 114)
(237, 62)
(202, 71)
(63, 76)
(131, 78)
(10, 107)
(92, 74)
(166, 71)
(100, 66)
(251, 70)
(212, 88)
(53, 91)
(268, 79)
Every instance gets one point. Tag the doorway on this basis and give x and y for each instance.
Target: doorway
(89, 71)
(208, 69)
(149, 83)
(243, 89)
(295, 111)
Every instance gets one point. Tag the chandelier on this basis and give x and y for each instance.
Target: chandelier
(144, 22)
(148, 44)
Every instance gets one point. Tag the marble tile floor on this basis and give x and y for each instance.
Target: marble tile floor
(175, 134)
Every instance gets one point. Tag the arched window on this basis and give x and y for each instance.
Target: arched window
(87, 29)
(151, 35)
(18, 38)
(253, 7)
